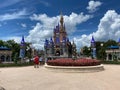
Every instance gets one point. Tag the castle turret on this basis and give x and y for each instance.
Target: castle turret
(93, 47)
(22, 48)
(92, 42)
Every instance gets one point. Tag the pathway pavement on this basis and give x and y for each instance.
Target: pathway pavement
(30, 78)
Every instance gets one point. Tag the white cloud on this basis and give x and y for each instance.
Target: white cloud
(17, 39)
(15, 15)
(93, 6)
(44, 28)
(45, 3)
(108, 28)
(23, 25)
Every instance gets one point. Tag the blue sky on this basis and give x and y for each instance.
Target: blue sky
(35, 19)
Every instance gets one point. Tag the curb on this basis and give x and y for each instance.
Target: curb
(75, 69)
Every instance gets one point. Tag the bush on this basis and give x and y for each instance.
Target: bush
(70, 62)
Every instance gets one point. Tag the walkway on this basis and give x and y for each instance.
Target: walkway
(29, 78)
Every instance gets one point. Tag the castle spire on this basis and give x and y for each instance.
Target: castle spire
(92, 40)
(22, 48)
(22, 41)
(61, 19)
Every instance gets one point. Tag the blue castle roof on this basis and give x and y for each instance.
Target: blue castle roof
(4, 48)
(92, 40)
(46, 42)
(67, 39)
(22, 41)
(119, 40)
(113, 47)
(51, 41)
(56, 29)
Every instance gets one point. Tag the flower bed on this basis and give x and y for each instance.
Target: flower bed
(70, 62)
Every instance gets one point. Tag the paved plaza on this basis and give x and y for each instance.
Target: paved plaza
(29, 78)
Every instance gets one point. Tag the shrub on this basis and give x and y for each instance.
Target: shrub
(70, 62)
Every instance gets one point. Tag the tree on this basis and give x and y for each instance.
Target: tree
(86, 51)
(1, 43)
(12, 45)
(100, 50)
(110, 42)
(16, 58)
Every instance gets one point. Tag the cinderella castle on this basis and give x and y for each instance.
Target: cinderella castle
(59, 44)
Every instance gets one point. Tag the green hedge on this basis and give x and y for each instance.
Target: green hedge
(16, 65)
(110, 62)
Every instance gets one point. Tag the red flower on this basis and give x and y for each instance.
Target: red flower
(70, 62)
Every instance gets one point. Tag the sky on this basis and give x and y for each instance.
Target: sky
(36, 19)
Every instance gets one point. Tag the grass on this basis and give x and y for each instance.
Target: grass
(110, 62)
(16, 65)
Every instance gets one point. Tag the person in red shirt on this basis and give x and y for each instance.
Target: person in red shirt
(36, 62)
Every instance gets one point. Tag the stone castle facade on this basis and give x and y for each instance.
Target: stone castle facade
(59, 44)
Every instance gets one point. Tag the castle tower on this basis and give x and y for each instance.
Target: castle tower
(93, 47)
(62, 29)
(22, 48)
(58, 43)
(60, 37)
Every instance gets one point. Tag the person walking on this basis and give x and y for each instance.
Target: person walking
(36, 62)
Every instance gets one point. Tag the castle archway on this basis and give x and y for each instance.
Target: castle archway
(57, 53)
(2, 58)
